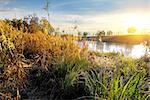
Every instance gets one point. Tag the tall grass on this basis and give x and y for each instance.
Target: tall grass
(36, 65)
(26, 56)
(126, 81)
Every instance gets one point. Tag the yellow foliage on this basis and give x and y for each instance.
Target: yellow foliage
(37, 48)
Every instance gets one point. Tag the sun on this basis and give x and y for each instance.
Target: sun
(136, 20)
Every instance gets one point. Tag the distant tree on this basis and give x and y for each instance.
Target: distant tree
(79, 35)
(132, 30)
(85, 34)
(109, 33)
(100, 33)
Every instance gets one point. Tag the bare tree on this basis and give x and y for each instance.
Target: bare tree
(109, 33)
(46, 8)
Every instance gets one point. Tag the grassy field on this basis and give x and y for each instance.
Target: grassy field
(37, 65)
(128, 39)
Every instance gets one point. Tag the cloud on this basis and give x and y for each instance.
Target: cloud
(99, 6)
(92, 23)
(9, 10)
(10, 13)
(5, 2)
(89, 15)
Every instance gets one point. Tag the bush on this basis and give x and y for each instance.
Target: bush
(58, 62)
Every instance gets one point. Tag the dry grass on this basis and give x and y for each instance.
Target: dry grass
(35, 65)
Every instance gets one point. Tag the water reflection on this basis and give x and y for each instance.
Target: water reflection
(135, 51)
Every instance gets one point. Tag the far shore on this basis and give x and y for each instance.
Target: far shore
(128, 39)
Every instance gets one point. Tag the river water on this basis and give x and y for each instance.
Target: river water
(132, 50)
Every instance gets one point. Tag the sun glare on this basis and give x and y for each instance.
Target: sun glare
(138, 21)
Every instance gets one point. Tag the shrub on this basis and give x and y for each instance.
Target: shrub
(56, 58)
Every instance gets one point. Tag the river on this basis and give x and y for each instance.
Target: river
(132, 50)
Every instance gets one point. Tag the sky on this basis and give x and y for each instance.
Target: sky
(88, 15)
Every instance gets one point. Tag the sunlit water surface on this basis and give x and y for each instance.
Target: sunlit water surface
(135, 51)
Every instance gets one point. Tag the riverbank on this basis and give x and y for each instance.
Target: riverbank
(126, 39)
(38, 65)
